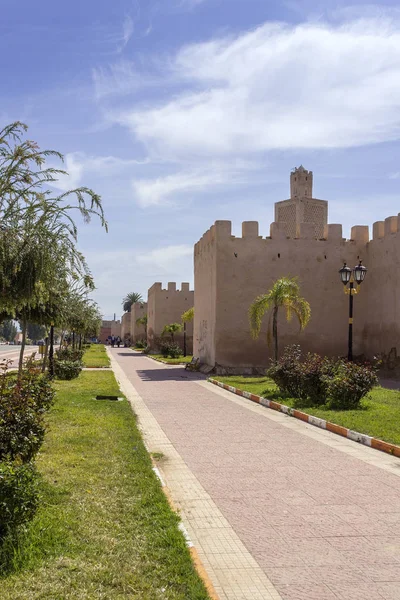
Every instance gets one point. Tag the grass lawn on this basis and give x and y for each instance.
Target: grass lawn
(172, 361)
(96, 356)
(104, 530)
(379, 415)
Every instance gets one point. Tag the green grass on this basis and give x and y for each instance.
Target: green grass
(172, 361)
(96, 356)
(379, 415)
(104, 530)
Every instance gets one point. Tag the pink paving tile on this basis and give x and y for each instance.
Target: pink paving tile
(322, 524)
(306, 592)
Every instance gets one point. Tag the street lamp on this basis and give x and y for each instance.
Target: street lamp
(349, 277)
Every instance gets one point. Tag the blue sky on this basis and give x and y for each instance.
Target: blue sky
(181, 112)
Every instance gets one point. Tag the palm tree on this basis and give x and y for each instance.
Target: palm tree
(284, 293)
(130, 299)
(171, 329)
(188, 315)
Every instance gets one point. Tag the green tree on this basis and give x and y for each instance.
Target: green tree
(171, 329)
(130, 299)
(8, 330)
(38, 254)
(188, 315)
(284, 293)
(36, 332)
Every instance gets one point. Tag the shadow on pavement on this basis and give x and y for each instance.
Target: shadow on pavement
(175, 374)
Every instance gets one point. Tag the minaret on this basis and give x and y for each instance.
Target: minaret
(302, 207)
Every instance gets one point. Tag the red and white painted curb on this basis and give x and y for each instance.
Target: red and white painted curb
(361, 438)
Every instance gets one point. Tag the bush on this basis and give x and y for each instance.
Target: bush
(141, 344)
(171, 350)
(321, 380)
(22, 406)
(69, 353)
(146, 350)
(18, 495)
(349, 384)
(67, 369)
(286, 373)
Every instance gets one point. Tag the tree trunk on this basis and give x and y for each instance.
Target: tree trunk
(275, 332)
(80, 341)
(73, 340)
(21, 354)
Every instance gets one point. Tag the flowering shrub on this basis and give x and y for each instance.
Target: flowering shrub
(170, 349)
(18, 495)
(321, 380)
(23, 404)
(349, 384)
(286, 372)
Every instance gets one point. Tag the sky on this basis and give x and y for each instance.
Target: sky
(182, 112)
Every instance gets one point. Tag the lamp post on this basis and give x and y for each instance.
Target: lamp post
(51, 351)
(349, 277)
(184, 338)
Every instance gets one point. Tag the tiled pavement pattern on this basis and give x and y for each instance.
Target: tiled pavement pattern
(320, 516)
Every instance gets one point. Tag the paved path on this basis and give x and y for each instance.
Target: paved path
(319, 514)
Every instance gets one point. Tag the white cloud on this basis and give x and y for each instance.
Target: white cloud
(168, 259)
(153, 192)
(77, 164)
(149, 192)
(278, 87)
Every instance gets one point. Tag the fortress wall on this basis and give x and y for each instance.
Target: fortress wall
(125, 325)
(248, 266)
(205, 298)
(138, 332)
(166, 306)
(380, 300)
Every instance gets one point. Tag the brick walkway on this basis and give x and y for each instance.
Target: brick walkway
(320, 517)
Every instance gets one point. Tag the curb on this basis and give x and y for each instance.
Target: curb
(198, 565)
(196, 560)
(361, 438)
(159, 360)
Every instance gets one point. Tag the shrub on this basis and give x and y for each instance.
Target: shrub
(314, 371)
(349, 384)
(286, 373)
(146, 350)
(23, 403)
(67, 369)
(141, 344)
(169, 349)
(18, 495)
(69, 353)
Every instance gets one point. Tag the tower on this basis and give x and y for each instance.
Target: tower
(302, 207)
(301, 182)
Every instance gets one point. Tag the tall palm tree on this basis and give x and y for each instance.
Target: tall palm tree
(284, 293)
(130, 299)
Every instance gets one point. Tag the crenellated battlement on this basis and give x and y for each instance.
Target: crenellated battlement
(171, 287)
(360, 234)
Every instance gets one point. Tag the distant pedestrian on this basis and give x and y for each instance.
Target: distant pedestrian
(113, 341)
(118, 341)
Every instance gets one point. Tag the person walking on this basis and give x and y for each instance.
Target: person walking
(118, 341)
(113, 341)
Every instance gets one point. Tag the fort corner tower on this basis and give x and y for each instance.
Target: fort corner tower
(301, 207)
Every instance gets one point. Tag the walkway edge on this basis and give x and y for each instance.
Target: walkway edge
(355, 436)
(125, 384)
